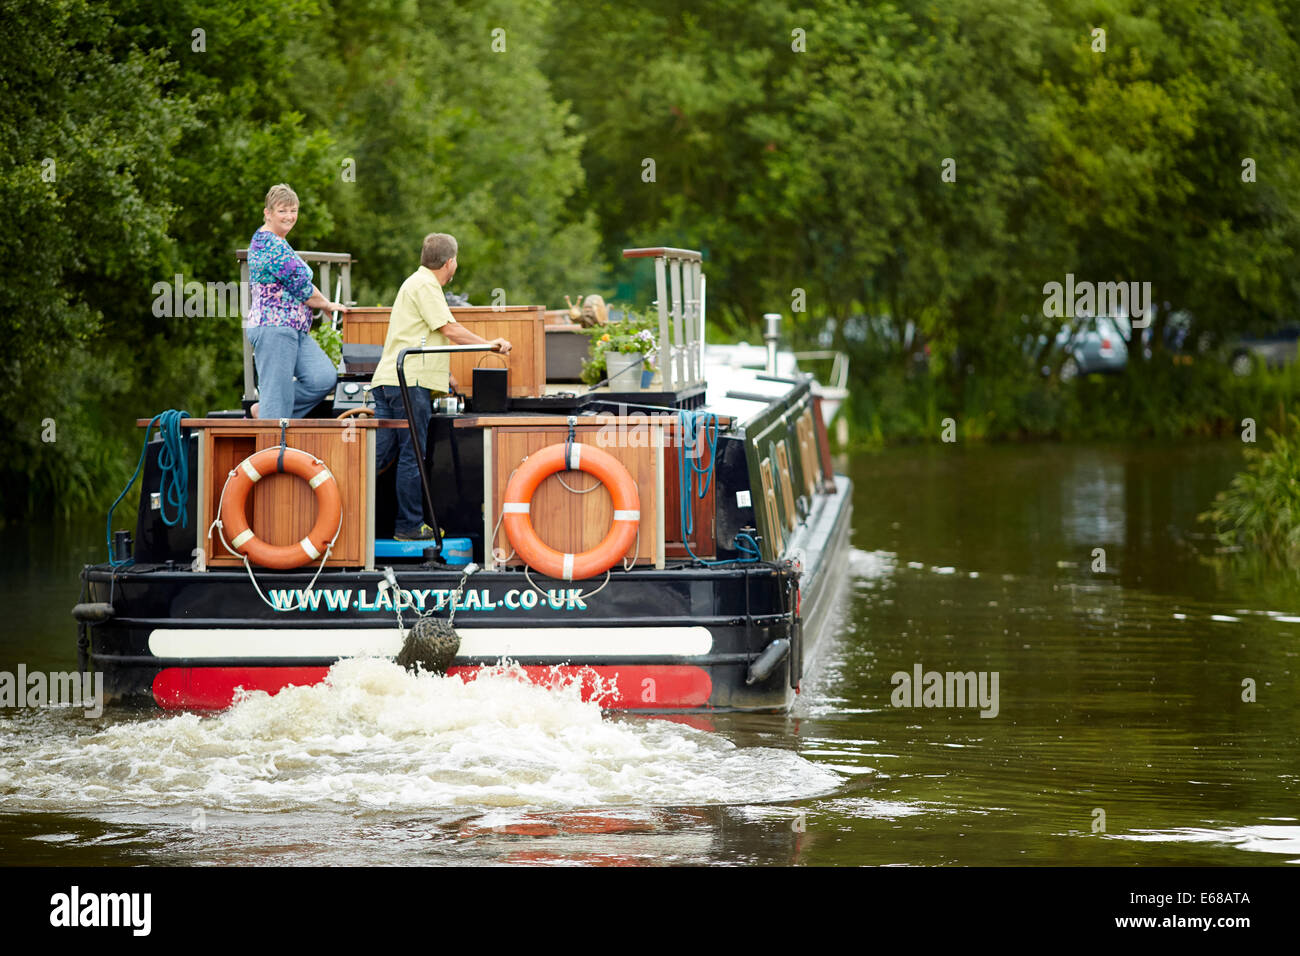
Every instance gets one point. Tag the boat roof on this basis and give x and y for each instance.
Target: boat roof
(739, 390)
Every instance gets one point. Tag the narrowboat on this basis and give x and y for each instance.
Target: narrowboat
(676, 545)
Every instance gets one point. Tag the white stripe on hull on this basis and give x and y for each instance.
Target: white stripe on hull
(493, 642)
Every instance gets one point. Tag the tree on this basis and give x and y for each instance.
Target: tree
(84, 182)
(450, 126)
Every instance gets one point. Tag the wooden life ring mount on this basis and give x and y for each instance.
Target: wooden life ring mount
(234, 513)
(571, 456)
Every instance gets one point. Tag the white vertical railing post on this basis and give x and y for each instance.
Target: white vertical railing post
(679, 336)
(325, 288)
(688, 318)
(665, 343)
(699, 356)
(245, 299)
(694, 328)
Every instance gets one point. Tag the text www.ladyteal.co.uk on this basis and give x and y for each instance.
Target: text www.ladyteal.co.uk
(425, 599)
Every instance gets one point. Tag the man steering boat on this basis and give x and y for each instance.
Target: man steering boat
(420, 318)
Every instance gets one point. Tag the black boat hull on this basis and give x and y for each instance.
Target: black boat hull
(677, 640)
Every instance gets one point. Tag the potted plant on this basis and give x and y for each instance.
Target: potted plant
(621, 354)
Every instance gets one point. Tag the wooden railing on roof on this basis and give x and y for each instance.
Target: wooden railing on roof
(679, 285)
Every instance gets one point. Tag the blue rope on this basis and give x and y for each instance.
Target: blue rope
(752, 548)
(699, 429)
(175, 465)
(689, 456)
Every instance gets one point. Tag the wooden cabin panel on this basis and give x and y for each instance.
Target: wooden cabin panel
(282, 508)
(524, 326)
(703, 541)
(571, 521)
(365, 326)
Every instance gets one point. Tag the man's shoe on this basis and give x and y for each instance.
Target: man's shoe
(424, 534)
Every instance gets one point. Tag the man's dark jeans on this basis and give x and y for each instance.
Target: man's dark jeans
(392, 441)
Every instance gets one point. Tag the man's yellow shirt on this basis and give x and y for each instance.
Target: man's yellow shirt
(419, 313)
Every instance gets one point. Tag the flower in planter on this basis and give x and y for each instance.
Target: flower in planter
(632, 335)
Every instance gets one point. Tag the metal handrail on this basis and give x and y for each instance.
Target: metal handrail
(839, 364)
(410, 425)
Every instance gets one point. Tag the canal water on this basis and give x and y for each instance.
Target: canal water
(1144, 711)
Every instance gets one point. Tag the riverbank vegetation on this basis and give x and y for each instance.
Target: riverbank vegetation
(1158, 399)
(1260, 511)
(901, 181)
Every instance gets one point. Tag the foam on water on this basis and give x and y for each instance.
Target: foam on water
(1260, 838)
(375, 736)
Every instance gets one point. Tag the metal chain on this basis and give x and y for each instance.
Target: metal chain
(460, 589)
(455, 596)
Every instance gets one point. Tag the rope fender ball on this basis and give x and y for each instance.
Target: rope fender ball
(539, 466)
(293, 461)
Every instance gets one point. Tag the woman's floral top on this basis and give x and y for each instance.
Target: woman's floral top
(279, 283)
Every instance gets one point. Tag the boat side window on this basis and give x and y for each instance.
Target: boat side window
(785, 478)
(808, 453)
(769, 503)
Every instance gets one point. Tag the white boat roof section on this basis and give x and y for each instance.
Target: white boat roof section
(745, 355)
(728, 380)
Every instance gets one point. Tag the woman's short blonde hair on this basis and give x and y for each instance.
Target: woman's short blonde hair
(280, 194)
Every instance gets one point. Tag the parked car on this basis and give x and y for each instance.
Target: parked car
(1093, 344)
(1274, 349)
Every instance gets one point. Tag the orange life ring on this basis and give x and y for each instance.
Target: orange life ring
(519, 495)
(329, 507)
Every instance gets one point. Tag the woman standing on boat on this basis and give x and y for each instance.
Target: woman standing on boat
(293, 372)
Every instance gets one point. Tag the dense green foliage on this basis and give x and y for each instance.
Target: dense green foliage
(167, 120)
(1260, 510)
(902, 178)
(822, 170)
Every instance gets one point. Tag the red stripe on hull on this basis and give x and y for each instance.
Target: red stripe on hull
(624, 687)
(213, 688)
(618, 687)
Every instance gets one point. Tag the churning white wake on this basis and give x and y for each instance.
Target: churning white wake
(375, 736)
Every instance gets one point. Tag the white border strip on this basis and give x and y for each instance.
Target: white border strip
(557, 642)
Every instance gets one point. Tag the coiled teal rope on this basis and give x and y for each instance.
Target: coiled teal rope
(175, 465)
(700, 429)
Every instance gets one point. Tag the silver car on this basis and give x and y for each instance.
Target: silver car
(1094, 344)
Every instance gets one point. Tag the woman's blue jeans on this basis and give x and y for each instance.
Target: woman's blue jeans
(293, 372)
